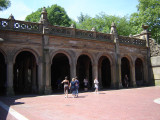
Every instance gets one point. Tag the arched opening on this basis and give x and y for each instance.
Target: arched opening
(59, 69)
(3, 76)
(104, 72)
(139, 72)
(25, 74)
(84, 70)
(125, 70)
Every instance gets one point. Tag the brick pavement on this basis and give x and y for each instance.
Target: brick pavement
(124, 104)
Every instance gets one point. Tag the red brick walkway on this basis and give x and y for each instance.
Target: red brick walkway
(124, 104)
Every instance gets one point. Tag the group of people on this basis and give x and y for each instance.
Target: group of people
(74, 86)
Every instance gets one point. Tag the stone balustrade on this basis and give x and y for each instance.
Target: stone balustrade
(22, 26)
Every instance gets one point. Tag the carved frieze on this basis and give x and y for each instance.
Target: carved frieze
(154, 48)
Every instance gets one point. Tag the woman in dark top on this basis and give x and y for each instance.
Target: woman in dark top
(66, 86)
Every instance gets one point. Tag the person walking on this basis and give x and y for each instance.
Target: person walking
(85, 84)
(126, 80)
(76, 86)
(66, 86)
(96, 85)
(73, 87)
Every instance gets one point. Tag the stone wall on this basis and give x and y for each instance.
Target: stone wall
(155, 61)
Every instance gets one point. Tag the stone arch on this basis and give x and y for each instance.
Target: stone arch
(4, 54)
(63, 52)
(60, 68)
(3, 73)
(84, 68)
(25, 72)
(104, 71)
(36, 55)
(139, 71)
(87, 54)
(125, 69)
(108, 56)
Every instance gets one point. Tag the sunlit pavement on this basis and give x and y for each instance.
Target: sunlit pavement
(124, 104)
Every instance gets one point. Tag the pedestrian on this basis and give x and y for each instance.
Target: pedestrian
(66, 86)
(85, 84)
(73, 87)
(96, 85)
(126, 80)
(77, 86)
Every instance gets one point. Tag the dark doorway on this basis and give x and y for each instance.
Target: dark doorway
(84, 70)
(105, 72)
(3, 76)
(125, 70)
(59, 69)
(139, 72)
(25, 74)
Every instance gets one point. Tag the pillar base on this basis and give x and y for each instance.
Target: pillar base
(48, 90)
(10, 91)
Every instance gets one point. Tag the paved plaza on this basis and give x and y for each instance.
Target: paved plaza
(123, 104)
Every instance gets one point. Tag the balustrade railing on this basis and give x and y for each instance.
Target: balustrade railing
(9, 24)
(131, 41)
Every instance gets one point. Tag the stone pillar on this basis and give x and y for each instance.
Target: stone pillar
(132, 75)
(94, 72)
(100, 75)
(145, 71)
(40, 78)
(73, 69)
(33, 74)
(114, 37)
(47, 76)
(118, 71)
(113, 76)
(10, 90)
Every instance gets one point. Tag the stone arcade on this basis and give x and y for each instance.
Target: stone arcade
(35, 57)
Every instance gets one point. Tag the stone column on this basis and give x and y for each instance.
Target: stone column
(48, 89)
(118, 71)
(10, 90)
(33, 75)
(100, 75)
(94, 72)
(132, 75)
(113, 76)
(73, 70)
(145, 71)
(40, 78)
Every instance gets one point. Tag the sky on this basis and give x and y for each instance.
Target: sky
(21, 8)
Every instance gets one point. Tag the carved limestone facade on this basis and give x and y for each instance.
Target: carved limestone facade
(35, 57)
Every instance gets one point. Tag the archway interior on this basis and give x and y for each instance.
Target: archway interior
(105, 72)
(125, 70)
(139, 72)
(3, 78)
(59, 70)
(84, 70)
(25, 73)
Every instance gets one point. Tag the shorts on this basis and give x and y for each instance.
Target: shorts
(66, 88)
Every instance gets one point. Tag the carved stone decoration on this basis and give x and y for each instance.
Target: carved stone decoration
(154, 47)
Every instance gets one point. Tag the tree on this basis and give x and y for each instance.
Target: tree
(102, 23)
(4, 4)
(148, 13)
(56, 16)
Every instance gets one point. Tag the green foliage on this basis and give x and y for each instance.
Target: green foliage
(148, 13)
(35, 16)
(4, 4)
(102, 23)
(56, 16)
